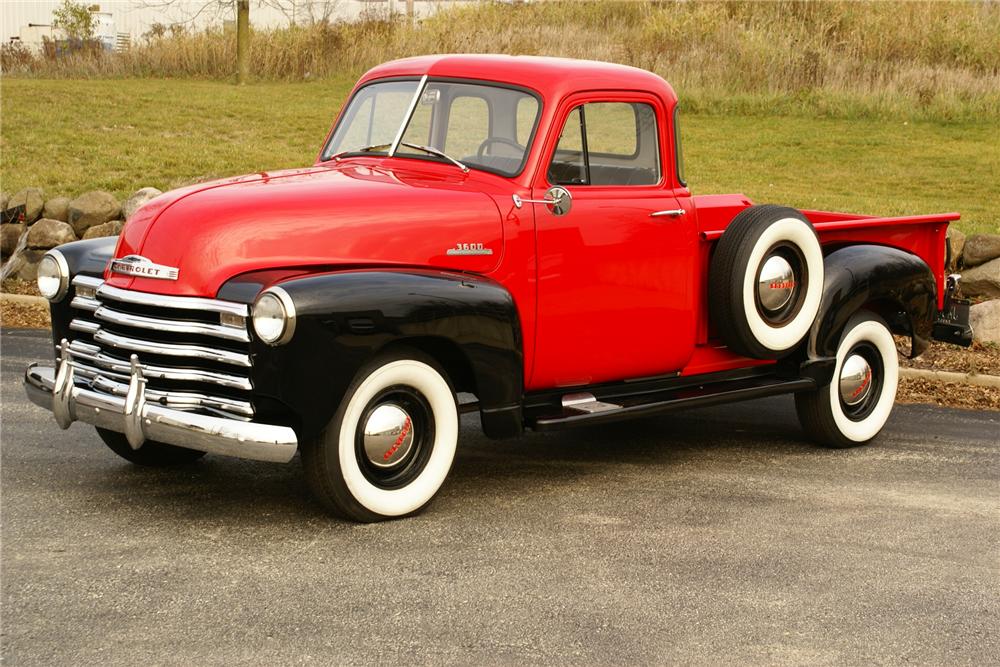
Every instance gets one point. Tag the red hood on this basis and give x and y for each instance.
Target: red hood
(322, 216)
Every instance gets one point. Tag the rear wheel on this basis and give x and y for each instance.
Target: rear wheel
(765, 281)
(853, 407)
(389, 447)
(152, 454)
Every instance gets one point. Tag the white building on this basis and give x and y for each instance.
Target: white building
(30, 20)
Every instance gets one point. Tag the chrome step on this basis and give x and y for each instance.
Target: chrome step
(587, 403)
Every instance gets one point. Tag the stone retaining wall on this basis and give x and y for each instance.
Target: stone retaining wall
(33, 224)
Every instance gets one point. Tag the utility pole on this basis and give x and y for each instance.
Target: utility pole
(242, 40)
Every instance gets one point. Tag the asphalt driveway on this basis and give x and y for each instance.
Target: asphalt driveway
(713, 536)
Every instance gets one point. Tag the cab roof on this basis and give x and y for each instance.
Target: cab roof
(552, 78)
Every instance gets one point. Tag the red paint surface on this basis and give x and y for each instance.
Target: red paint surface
(603, 293)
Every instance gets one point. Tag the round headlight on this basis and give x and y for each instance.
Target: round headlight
(274, 316)
(53, 276)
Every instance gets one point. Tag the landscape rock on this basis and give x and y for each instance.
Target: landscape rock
(137, 199)
(9, 236)
(957, 244)
(981, 248)
(985, 320)
(46, 234)
(982, 281)
(113, 228)
(57, 208)
(92, 208)
(33, 200)
(25, 264)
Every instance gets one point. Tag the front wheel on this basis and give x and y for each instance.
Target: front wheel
(853, 407)
(389, 447)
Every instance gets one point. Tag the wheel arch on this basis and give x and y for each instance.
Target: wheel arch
(892, 283)
(447, 353)
(468, 324)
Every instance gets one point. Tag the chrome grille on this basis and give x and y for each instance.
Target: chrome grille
(191, 361)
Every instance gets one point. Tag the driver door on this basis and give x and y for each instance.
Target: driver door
(615, 282)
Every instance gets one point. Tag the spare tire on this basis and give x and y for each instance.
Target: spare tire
(765, 281)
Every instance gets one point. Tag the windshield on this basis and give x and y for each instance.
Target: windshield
(477, 124)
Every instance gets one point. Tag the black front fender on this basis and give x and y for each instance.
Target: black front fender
(896, 285)
(468, 323)
(88, 258)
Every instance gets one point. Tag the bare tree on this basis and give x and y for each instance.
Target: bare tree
(192, 10)
(242, 40)
(304, 12)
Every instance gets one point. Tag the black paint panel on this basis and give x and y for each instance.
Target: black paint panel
(895, 284)
(468, 323)
(89, 258)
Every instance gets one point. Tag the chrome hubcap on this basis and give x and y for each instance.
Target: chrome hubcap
(776, 283)
(855, 380)
(388, 436)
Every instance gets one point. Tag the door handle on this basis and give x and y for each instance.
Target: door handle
(518, 201)
(673, 213)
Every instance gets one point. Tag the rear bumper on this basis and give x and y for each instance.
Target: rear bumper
(55, 390)
(952, 325)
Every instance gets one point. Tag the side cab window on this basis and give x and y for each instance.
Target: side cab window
(608, 143)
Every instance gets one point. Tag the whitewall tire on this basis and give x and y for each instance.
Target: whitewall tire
(766, 281)
(390, 446)
(853, 407)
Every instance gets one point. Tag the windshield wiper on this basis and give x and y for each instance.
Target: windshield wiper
(366, 149)
(434, 151)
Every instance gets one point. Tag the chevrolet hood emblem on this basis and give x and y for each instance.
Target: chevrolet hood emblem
(140, 267)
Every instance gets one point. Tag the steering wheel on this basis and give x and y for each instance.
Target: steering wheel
(498, 140)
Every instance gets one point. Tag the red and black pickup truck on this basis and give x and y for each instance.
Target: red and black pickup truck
(513, 230)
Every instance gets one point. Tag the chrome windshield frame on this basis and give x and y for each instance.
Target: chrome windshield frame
(409, 114)
(328, 154)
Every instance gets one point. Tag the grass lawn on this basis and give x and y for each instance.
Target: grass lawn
(69, 136)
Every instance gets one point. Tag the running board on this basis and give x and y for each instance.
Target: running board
(581, 409)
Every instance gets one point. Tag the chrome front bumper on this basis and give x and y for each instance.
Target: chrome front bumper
(55, 389)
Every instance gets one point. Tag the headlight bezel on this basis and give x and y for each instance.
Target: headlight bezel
(275, 295)
(62, 276)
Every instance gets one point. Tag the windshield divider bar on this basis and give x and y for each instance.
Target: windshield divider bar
(409, 114)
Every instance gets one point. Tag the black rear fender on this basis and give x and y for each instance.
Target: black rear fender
(895, 284)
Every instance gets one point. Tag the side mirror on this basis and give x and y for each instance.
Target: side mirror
(559, 200)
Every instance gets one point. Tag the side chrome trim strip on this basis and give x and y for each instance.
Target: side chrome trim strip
(172, 349)
(167, 301)
(174, 326)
